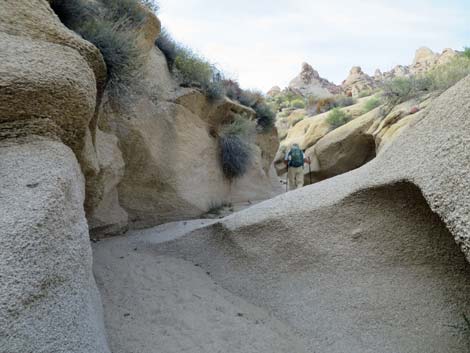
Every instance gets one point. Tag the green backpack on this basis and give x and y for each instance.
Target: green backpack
(296, 157)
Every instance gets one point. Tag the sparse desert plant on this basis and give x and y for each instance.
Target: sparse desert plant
(131, 10)
(250, 98)
(371, 104)
(265, 117)
(168, 46)
(466, 52)
(232, 89)
(217, 208)
(342, 101)
(111, 30)
(397, 90)
(337, 118)
(444, 76)
(366, 93)
(324, 105)
(298, 103)
(235, 147)
(118, 45)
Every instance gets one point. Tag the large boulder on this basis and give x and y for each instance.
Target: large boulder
(374, 251)
(48, 297)
(346, 148)
(45, 88)
(423, 61)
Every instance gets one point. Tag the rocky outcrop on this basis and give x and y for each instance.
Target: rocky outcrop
(48, 296)
(168, 138)
(49, 86)
(354, 240)
(309, 83)
(358, 82)
(274, 91)
(344, 149)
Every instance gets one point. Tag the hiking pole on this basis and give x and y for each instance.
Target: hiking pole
(287, 179)
(310, 169)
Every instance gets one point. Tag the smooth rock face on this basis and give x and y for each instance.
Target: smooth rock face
(47, 86)
(171, 153)
(35, 20)
(360, 262)
(48, 297)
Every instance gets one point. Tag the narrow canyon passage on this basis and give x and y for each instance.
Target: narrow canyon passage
(393, 281)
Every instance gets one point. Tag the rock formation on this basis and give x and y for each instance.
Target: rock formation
(362, 262)
(357, 82)
(309, 83)
(274, 91)
(73, 156)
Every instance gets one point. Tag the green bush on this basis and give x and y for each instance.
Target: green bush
(236, 152)
(466, 52)
(265, 117)
(337, 118)
(190, 68)
(398, 90)
(371, 104)
(444, 76)
(111, 30)
(298, 103)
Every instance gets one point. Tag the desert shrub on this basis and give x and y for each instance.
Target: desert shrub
(371, 104)
(193, 70)
(168, 46)
(337, 118)
(232, 89)
(342, 101)
(298, 103)
(190, 68)
(444, 76)
(236, 152)
(111, 30)
(250, 98)
(466, 52)
(265, 117)
(366, 93)
(311, 103)
(325, 104)
(397, 90)
(117, 10)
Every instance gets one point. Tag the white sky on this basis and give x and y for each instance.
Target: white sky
(263, 43)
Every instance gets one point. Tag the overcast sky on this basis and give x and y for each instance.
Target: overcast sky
(263, 43)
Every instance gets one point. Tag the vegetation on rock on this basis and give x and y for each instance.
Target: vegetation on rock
(371, 104)
(112, 29)
(236, 152)
(337, 118)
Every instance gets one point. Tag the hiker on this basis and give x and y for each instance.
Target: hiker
(295, 160)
